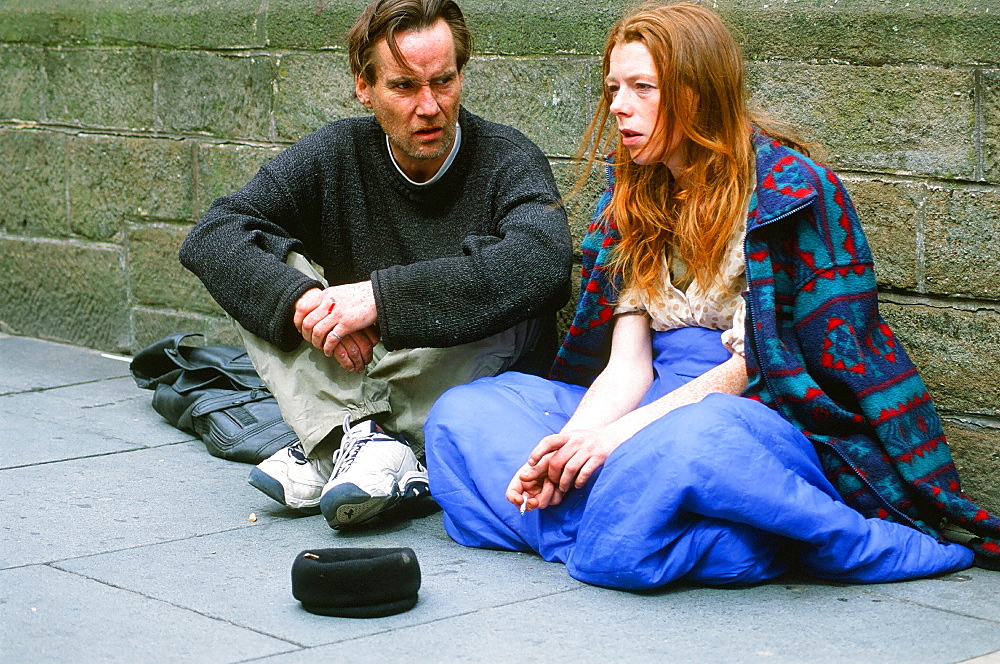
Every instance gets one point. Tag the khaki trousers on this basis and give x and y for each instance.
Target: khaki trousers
(397, 389)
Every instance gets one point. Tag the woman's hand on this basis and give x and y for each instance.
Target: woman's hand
(531, 484)
(572, 457)
(560, 462)
(569, 458)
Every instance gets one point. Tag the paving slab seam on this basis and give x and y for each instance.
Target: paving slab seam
(303, 649)
(188, 609)
(408, 626)
(929, 606)
(49, 388)
(991, 657)
(102, 454)
(104, 434)
(286, 652)
(55, 563)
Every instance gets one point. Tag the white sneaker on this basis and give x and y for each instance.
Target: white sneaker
(372, 473)
(291, 478)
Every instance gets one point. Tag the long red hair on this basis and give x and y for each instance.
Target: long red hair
(703, 93)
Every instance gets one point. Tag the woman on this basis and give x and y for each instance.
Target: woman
(699, 450)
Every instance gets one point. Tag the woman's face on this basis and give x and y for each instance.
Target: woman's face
(635, 102)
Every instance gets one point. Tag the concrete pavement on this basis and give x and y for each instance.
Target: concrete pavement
(122, 540)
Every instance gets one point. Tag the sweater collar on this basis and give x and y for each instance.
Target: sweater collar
(455, 146)
(447, 179)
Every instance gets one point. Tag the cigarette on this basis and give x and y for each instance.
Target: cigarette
(524, 502)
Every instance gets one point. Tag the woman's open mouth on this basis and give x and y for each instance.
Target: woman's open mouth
(630, 137)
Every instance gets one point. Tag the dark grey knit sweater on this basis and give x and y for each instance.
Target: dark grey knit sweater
(476, 252)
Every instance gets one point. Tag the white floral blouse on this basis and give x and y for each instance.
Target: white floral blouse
(719, 307)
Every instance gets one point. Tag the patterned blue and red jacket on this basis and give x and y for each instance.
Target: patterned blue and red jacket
(817, 350)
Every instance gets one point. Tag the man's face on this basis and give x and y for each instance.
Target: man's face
(417, 106)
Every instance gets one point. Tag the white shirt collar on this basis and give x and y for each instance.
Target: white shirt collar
(444, 167)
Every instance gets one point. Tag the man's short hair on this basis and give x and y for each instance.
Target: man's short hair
(386, 18)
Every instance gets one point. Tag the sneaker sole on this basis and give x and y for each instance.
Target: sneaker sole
(347, 505)
(267, 485)
(273, 489)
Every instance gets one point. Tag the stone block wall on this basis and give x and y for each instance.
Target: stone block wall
(121, 121)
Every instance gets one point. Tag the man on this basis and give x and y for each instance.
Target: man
(444, 255)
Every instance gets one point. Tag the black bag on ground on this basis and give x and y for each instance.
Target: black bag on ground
(214, 393)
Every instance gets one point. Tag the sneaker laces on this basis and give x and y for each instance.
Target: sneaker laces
(350, 445)
(344, 456)
(353, 441)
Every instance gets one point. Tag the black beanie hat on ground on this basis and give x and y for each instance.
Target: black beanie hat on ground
(356, 583)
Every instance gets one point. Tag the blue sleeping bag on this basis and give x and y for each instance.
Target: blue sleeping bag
(722, 492)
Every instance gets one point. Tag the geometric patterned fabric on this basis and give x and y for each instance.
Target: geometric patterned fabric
(817, 350)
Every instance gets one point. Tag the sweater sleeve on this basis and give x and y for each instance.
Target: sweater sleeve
(517, 270)
(238, 249)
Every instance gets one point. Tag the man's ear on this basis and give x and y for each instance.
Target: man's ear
(361, 91)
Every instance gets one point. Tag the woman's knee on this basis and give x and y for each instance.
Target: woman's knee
(444, 429)
(479, 401)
